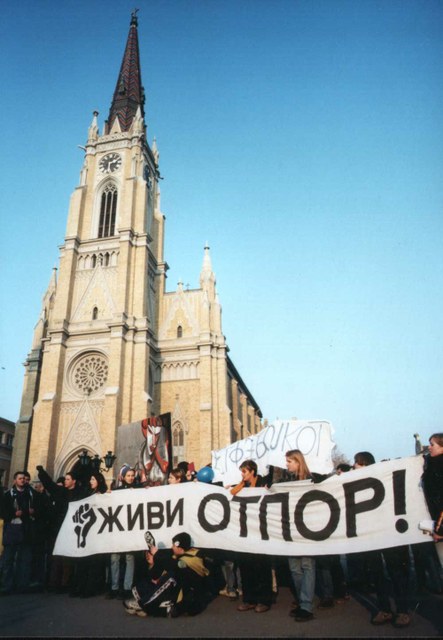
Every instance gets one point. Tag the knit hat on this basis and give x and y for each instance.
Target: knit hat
(182, 540)
(124, 470)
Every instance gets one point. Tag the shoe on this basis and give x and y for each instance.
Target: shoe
(111, 595)
(326, 603)
(245, 607)
(232, 595)
(132, 607)
(303, 615)
(382, 617)
(402, 620)
(123, 595)
(261, 608)
(293, 612)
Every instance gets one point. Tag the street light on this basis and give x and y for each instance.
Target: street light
(110, 458)
(87, 460)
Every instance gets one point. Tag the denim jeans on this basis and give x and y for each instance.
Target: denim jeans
(303, 576)
(16, 566)
(115, 571)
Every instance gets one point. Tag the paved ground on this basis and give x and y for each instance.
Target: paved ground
(44, 615)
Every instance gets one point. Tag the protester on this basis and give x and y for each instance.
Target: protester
(255, 569)
(302, 568)
(396, 560)
(127, 478)
(176, 476)
(91, 569)
(62, 575)
(40, 536)
(18, 514)
(433, 483)
(175, 583)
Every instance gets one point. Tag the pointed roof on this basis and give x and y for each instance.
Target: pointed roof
(129, 93)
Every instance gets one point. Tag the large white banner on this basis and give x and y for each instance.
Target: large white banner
(374, 507)
(312, 437)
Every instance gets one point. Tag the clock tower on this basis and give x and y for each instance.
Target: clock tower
(99, 325)
(111, 347)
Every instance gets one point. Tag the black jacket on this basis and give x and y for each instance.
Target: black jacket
(433, 484)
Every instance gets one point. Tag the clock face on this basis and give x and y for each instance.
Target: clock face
(110, 163)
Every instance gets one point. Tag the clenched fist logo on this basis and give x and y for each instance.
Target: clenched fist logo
(85, 517)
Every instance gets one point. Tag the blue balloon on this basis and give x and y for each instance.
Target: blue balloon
(205, 474)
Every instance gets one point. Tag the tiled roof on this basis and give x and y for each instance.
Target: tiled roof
(129, 93)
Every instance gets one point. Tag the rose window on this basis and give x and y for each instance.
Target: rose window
(90, 373)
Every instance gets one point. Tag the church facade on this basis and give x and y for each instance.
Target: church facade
(112, 346)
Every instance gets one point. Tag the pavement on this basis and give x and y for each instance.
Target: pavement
(59, 616)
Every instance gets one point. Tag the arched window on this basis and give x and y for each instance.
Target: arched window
(95, 313)
(179, 331)
(94, 261)
(108, 208)
(178, 443)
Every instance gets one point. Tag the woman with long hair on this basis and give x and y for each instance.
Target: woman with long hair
(302, 568)
(97, 483)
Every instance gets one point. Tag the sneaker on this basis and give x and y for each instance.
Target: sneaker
(132, 607)
(382, 617)
(303, 616)
(229, 594)
(402, 620)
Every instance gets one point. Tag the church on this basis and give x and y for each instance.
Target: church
(112, 346)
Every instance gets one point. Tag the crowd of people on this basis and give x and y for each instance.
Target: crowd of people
(182, 579)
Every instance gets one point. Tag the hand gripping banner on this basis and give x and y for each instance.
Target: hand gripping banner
(374, 507)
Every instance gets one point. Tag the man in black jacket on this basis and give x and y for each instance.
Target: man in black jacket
(18, 514)
(62, 576)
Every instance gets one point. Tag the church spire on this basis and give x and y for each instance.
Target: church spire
(129, 94)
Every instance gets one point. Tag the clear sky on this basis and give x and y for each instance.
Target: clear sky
(303, 140)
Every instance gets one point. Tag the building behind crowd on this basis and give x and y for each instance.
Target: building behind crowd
(7, 429)
(111, 345)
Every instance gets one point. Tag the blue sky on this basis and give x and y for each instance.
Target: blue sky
(303, 141)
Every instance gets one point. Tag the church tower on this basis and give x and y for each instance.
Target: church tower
(111, 347)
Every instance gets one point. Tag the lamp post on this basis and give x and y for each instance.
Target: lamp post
(95, 461)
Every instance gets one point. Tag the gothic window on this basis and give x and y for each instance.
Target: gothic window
(95, 313)
(178, 443)
(93, 261)
(108, 209)
(179, 331)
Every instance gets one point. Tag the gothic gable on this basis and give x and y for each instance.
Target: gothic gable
(179, 313)
(97, 295)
